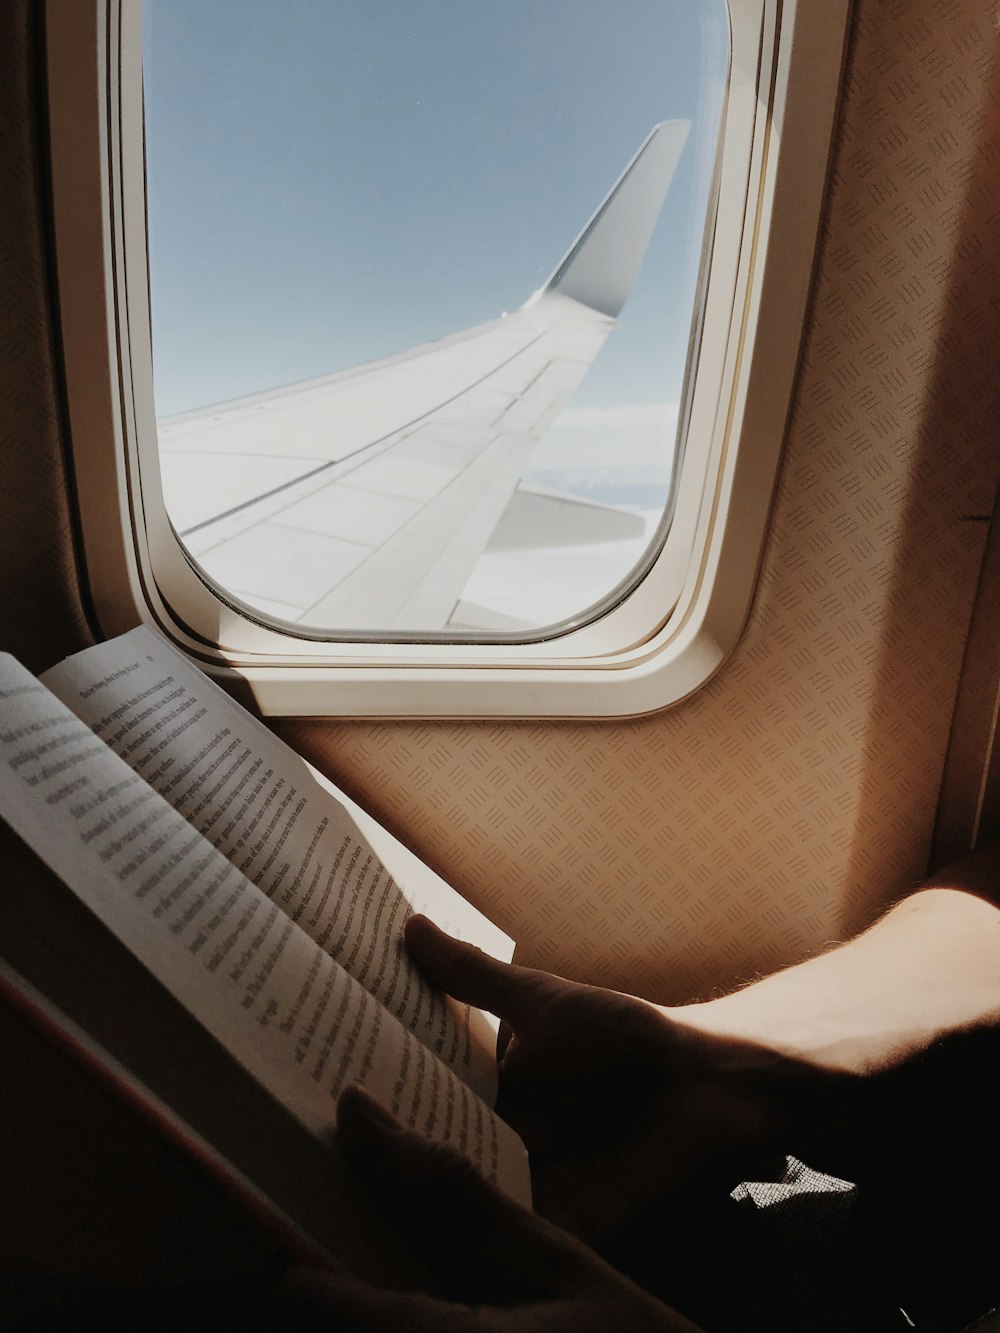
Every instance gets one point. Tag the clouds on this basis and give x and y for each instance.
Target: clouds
(626, 416)
(626, 443)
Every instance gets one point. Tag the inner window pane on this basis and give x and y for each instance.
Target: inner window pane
(400, 387)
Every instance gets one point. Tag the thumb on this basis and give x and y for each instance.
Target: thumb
(512, 993)
(466, 1230)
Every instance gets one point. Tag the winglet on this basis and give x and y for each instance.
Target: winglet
(603, 262)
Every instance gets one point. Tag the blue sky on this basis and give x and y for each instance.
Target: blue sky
(330, 181)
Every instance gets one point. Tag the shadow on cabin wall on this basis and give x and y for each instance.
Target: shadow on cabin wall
(41, 610)
(945, 304)
(88, 1193)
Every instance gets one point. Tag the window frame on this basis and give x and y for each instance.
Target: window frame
(664, 639)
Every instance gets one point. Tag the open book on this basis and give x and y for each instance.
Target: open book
(247, 926)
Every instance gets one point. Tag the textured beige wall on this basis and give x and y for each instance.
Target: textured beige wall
(779, 807)
(783, 805)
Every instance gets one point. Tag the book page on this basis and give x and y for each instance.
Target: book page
(283, 826)
(277, 1001)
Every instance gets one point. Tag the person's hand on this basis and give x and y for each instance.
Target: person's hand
(494, 1266)
(621, 1106)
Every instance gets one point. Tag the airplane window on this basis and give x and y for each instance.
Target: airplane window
(424, 284)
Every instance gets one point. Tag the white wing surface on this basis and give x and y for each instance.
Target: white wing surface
(362, 500)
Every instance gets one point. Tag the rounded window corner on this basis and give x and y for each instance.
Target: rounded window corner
(655, 640)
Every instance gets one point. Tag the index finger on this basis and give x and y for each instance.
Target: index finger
(512, 993)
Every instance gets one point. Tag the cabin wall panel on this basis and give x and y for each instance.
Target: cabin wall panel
(41, 613)
(787, 802)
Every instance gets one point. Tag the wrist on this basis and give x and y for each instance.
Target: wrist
(817, 1025)
(928, 970)
(776, 1021)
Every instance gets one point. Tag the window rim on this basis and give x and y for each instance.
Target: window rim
(590, 612)
(631, 660)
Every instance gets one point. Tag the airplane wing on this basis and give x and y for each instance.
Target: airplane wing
(363, 499)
